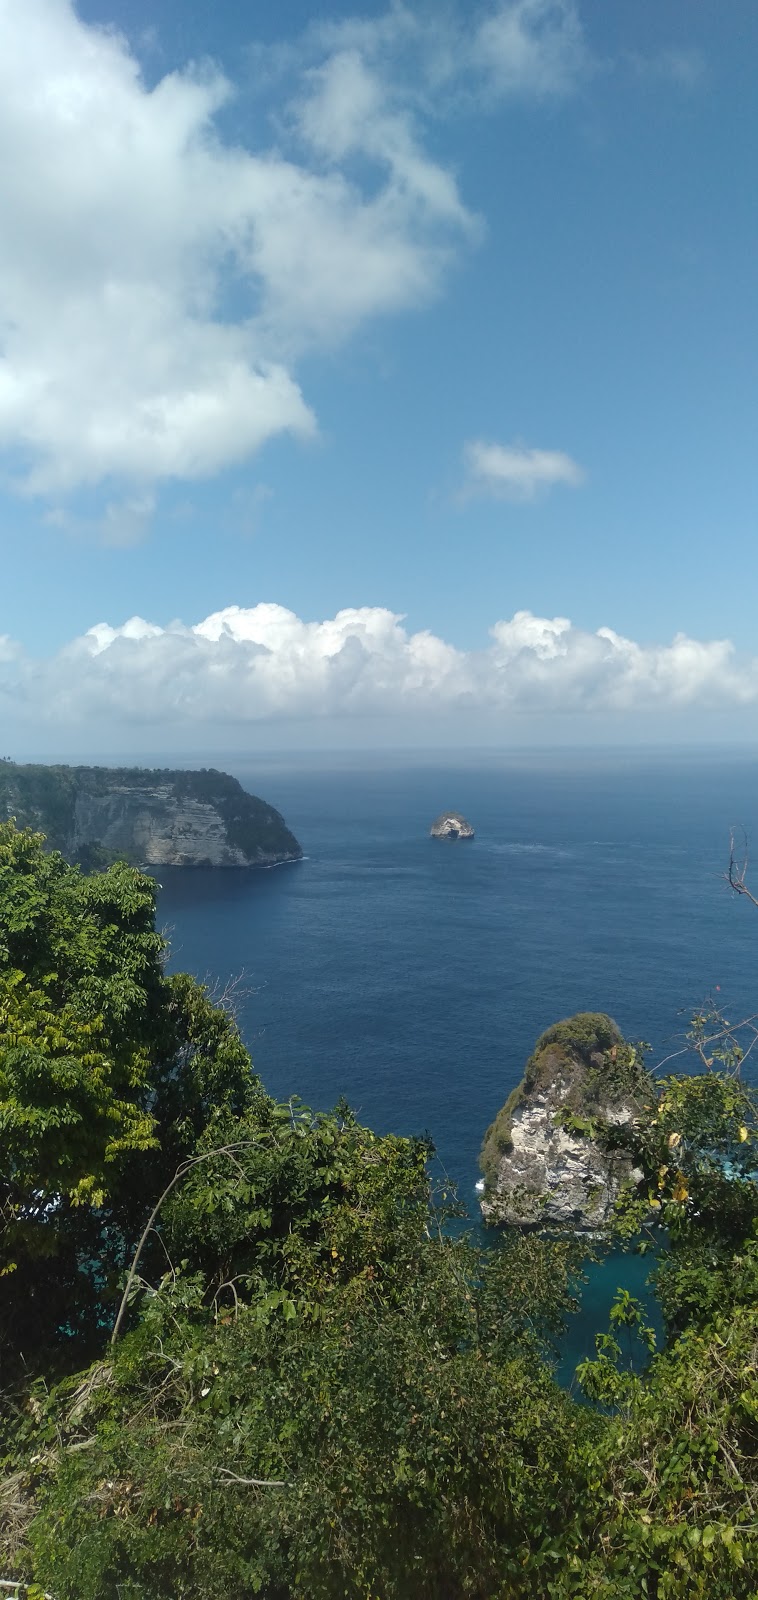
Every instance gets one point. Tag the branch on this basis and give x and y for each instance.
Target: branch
(181, 1171)
(230, 1479)
(737, 871)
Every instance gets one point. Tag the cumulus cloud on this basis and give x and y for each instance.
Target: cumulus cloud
(514, 472)
(160, 283)
(264, 664)
(157, 282)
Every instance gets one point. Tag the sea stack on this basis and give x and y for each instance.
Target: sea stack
(451, 825)
(562, 1147)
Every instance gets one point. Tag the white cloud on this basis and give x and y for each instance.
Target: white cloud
(263, 664)
(531, 47)
(509, 49)
(159, 283)
(156, 283)
(514, 472)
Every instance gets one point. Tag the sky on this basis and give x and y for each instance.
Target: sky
(377, 375)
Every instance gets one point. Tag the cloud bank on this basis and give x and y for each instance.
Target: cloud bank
(263, 664)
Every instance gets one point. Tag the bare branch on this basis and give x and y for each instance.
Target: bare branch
(229, 1284)
(736, 874)
(232, 995)
(230, 1479)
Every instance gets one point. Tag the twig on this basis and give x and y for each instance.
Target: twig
(229, 1479)
(229, 1284)
(737, 871)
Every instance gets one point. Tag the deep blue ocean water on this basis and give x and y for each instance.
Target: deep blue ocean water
(413, 976)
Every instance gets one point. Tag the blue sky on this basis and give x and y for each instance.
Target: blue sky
(435, 313)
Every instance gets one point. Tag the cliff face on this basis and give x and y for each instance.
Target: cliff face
(555, 1155)
(151, 818)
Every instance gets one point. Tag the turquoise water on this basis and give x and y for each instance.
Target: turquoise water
(413, 975)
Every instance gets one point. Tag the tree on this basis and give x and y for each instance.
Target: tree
(109, 1072)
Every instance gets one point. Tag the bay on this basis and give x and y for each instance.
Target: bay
(412, 975)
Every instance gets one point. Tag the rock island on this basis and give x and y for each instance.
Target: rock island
(451, 825)
(560, 1150)
(154, 818)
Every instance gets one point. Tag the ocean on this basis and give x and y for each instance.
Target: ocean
(413, 975)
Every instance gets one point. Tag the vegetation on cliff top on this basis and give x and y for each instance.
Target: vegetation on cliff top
(242, 1355)
(44, 797)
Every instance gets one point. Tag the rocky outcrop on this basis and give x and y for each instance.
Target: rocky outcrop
(451, 825)
(150, 818)
(559, 1152)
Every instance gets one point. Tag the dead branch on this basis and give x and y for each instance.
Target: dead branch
(232, 995)
(736, 874)
(229, 1284)
(231, 1479)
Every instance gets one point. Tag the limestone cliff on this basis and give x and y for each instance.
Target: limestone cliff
(151, 818)
(558, 1153)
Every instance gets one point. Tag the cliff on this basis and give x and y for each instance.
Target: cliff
(150, 818)
(558, 1153)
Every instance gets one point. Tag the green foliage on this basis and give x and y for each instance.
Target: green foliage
(675, 1475)
(587, 1034)
(39, 796)
(108, 1071)
(407, 1442)
(698, 1150)
(318, 1389)
(498, 1138)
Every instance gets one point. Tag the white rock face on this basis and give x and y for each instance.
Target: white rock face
(154, 818)
(156, 828)
(451, 825)
(550, 1157)
(557, 1179)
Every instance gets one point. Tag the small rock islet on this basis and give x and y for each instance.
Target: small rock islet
(560, 1151)
(451, 825)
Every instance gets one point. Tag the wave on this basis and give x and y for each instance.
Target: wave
(556, 851)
